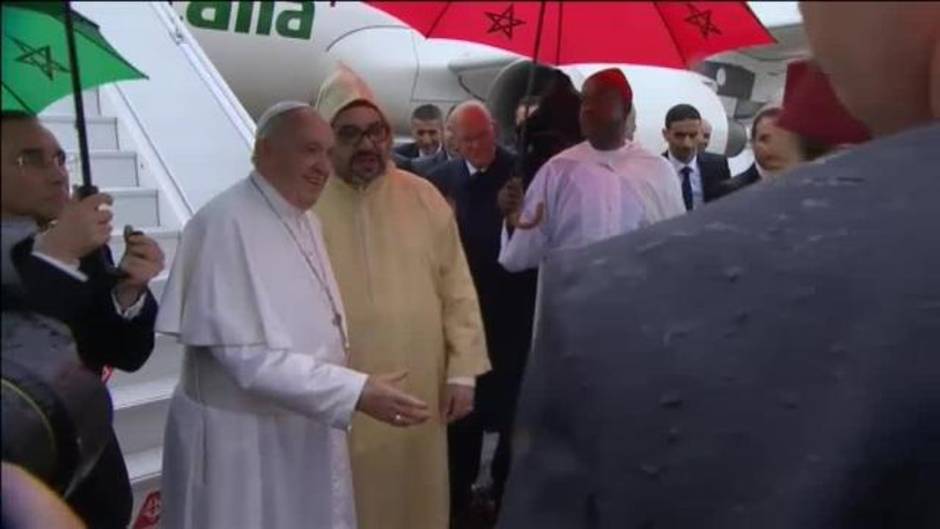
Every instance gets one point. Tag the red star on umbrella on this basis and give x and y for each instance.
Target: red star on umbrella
(702, 20)
(504, 21)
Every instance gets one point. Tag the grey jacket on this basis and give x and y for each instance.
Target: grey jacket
(771, 361)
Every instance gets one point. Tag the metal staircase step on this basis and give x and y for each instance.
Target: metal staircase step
(144, 468)
(102, 132)
(66, 105)
(109, 168)
(136, 206)
(140, 412)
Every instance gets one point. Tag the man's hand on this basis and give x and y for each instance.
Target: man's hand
(510, 198)
(143, 260)
(457, 402)
(381, 400)
(83, 226)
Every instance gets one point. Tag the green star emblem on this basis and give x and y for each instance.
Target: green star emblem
(40, 57)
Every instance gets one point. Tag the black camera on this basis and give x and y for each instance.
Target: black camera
(56, 413)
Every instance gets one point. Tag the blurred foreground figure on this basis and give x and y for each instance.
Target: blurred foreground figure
(29, 504)
(780, 372)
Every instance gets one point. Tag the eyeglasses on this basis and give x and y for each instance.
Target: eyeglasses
(352, 135)
(36, 159)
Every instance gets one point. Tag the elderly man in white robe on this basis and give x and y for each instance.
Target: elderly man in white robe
(256, 435)
(598, 189)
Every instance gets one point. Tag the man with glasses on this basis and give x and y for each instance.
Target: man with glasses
(61, 267)
(411, 304)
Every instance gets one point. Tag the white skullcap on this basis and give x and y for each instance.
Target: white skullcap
(267, 120)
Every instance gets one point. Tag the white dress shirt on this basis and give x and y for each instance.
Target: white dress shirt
(695, 178)
(473, 170)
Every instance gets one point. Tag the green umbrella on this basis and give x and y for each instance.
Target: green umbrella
(44, 44)
(36, 66)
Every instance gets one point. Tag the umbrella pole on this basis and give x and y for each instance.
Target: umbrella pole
(530, 84)
(86, 188)
(523, 133)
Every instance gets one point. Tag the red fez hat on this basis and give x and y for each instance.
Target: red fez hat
(812, 110)
(615, 78)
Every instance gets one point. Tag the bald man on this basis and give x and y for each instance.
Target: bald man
(705, 135)
(507, 300)
(782, 369)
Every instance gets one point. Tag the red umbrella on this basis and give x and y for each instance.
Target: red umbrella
(671, 34)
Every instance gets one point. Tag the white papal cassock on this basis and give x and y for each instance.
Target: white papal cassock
(256, 435)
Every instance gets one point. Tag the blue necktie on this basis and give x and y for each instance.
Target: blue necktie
(686, 187)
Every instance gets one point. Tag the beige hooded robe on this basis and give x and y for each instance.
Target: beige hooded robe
(412, 306)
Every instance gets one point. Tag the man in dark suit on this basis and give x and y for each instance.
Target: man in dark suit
(700, 173)
(507, 300)
(427, 130)
(425, 166)
(813, 123)
(771, 362)
(762, 141)
(64, 271)
(429, 150)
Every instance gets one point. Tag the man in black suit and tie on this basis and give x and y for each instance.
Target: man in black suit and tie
(425, 166)
(700, 173)
(427, 150)
(427, 130)
(507, 300)
(768, 145)
(64, 272)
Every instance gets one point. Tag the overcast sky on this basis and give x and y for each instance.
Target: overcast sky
(773, 14)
